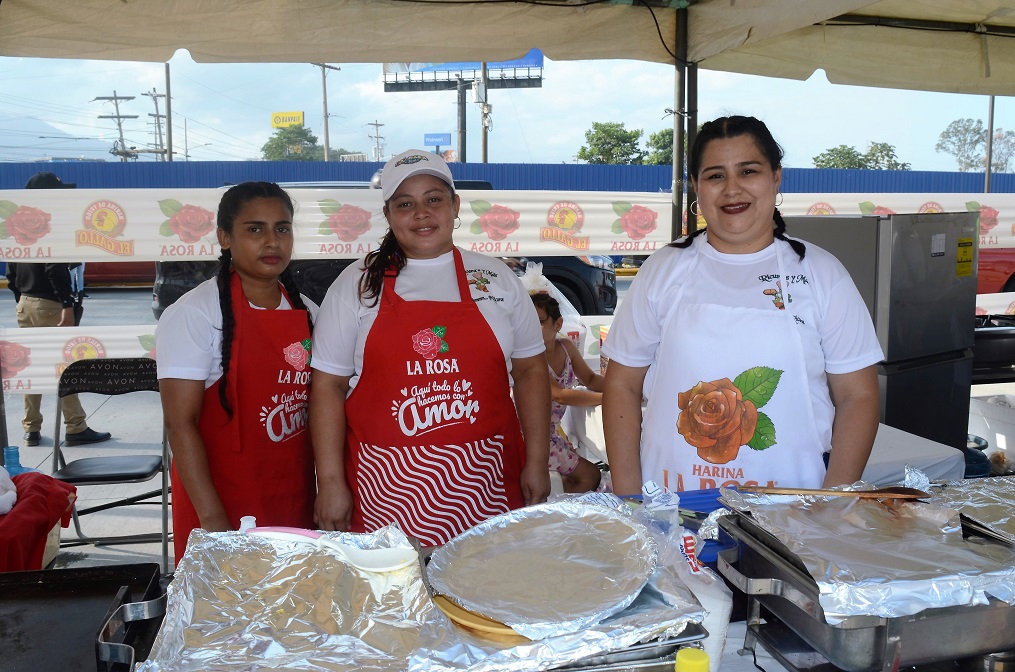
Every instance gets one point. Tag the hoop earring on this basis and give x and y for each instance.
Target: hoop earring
(779, 199)
(692, 206)
(459, 224)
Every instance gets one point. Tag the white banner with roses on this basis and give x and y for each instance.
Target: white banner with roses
(31, 360)
(179, 224)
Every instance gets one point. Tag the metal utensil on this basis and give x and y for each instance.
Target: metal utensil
(893, 492)
(367, 559)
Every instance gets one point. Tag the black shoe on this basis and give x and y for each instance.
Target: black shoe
(32, 438)
(89, 435)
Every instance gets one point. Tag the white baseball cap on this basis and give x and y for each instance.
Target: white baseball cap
(409, 163)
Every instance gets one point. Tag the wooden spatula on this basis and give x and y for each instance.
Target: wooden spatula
(895, 492)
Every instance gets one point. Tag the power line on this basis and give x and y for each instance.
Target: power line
(121, 149)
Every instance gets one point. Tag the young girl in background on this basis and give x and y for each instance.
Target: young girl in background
(567, 367)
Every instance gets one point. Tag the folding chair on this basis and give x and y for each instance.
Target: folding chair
(113, 377)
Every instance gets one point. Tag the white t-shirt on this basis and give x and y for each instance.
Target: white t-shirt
(344, 322)
(188, 338)
(835, 326)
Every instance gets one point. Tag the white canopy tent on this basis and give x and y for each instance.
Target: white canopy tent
(932, 45)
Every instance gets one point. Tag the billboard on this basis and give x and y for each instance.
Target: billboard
(525, 72)
(283, 119)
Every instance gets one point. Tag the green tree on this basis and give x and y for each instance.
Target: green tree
(842, 156)
(292, 143)
(966, 140)
(660, 148)
(879, 156)
(610, 142)
(1002, 151)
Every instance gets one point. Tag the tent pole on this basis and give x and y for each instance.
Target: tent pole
(692, 134)
(679, 95)
(990, 146)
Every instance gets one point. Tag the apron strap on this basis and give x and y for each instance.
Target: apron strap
(390, 275)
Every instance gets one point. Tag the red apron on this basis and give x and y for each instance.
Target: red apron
(261, 461)
(433, 441)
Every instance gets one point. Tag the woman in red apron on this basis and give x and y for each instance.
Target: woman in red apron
(236, 413)
(429, 437)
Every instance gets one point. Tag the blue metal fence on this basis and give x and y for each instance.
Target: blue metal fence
(556, 177)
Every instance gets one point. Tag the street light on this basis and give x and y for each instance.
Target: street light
(186, 150)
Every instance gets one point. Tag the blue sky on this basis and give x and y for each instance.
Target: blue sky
(223, 111)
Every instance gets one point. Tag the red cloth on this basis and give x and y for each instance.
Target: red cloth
(42, 502)
(433, 440)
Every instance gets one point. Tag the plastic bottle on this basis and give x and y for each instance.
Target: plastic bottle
(247, 523)
(12, 461)
(690, 659)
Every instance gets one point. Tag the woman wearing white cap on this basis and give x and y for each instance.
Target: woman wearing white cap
(415, 349)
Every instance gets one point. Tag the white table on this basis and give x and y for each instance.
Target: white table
(893, 450)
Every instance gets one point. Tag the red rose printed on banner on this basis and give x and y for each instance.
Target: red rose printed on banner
(636, 221)
(868, 208)
(988, 216)
(147, 342)
(720, 416)
(346, 221)
(496, 221)
(430, 342)
(297, 354)
(27, 225)
(14, 358)
(190, 222)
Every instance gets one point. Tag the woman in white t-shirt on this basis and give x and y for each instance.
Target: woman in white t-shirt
(233, 356)
(411, 409)
(754, 353)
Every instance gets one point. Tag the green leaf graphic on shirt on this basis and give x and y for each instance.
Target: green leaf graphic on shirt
(758, 384)
(764, 434)
(439, 331)
(444, 347)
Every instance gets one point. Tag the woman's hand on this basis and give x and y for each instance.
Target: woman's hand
(535, 481)
(333, 508)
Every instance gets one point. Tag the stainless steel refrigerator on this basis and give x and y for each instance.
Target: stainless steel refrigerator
(917, 274)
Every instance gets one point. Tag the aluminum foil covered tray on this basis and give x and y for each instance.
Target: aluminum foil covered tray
(593, 560)
(988, 501)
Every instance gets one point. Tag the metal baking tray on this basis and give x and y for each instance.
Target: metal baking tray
(51, 619)
(767, 571)
(654, 656)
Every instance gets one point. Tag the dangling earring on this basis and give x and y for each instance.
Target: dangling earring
(779, 199)
(692, 206)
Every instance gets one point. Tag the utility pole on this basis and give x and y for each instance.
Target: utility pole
(461, 120)
(158, 121)
(376, 137)
(324, 90)
(121, 150)
(169, 118)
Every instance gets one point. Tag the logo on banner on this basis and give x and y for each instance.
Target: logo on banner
(80, 347)
(565, 220)
(104, 222)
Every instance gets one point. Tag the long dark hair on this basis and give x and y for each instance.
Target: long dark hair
(725, 128)
(234, 199)
(388, 255)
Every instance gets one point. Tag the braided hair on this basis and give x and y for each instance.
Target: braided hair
(234, 199)
(388, 255)
(725, 128)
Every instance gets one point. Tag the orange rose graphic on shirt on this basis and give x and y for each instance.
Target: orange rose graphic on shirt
(720, 416)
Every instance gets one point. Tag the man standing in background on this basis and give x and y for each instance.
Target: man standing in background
(45, 299)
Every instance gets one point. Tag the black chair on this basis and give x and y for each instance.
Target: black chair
(113, 377)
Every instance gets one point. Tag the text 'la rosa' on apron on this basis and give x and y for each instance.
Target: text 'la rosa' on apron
(730, 403)
(433, 440)
(261, 460)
